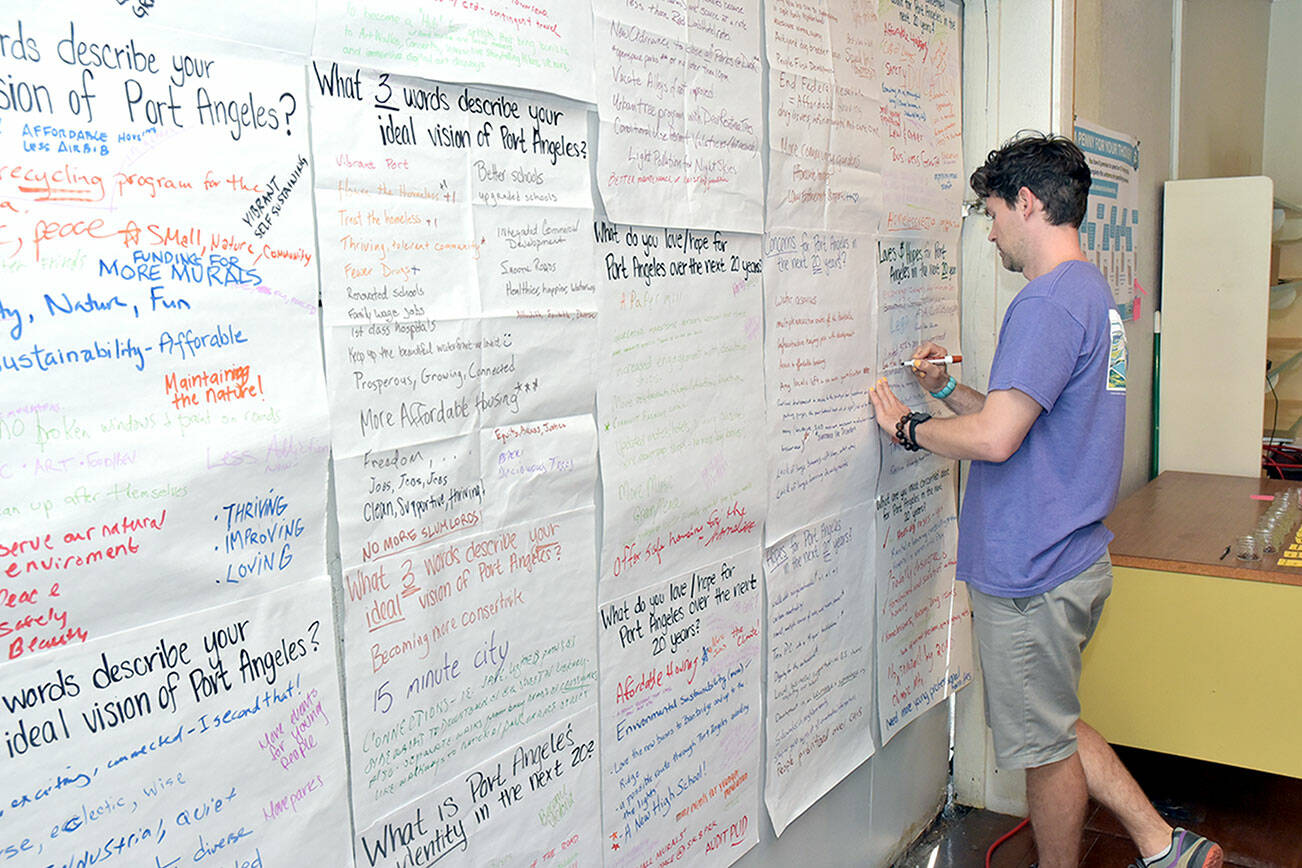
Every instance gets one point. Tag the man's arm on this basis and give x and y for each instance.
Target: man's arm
(993, 431)
(964, 400)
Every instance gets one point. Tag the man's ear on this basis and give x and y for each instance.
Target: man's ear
(1027, 202)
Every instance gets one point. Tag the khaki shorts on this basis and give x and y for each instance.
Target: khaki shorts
(1030, 659)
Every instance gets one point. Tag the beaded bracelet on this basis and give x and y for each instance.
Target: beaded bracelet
(948, 390)
(909, 439)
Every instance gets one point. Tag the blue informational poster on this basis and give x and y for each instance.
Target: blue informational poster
(1107, 234)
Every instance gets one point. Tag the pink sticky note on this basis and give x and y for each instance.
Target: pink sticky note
(1135, 310)
(1262, 496)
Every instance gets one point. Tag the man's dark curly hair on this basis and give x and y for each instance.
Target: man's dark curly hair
(1051, 167)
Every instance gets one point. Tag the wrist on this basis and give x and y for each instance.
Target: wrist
(906, 430)
(945, 391)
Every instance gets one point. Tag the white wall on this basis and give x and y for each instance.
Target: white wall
(1123, 81)
(1282, 151)
(1223, 87)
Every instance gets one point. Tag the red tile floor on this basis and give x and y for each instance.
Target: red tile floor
(1256, 817)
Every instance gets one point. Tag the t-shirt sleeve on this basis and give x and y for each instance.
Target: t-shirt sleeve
(1037, 352)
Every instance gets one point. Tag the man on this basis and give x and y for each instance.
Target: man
(1046, 447)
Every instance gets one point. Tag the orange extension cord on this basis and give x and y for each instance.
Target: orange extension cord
(991, 852)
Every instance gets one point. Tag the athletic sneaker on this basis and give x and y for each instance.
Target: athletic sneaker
(1188, 851)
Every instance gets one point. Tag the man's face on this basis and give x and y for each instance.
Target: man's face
(1005, 228)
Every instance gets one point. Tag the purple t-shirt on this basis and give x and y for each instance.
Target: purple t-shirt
(1032, 522)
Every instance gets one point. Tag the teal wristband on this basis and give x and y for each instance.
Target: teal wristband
(948, 390)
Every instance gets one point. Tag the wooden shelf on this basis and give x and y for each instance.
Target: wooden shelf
(1290, 414)
(1280, 369)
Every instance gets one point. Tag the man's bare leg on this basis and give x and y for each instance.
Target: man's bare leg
(1113, 787)
(1057, 797)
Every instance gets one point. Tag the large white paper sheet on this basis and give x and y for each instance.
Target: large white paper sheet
(918, 289)
(535, 804)
(212, 738)
(820, 660)
(682, 121)
(1107, 235)
(162, 419)
(457, 257)
(919, 284)
(543, 46)
(459, 301)
(921, 53)
(455, 650)
(820, 303)
(825, 117)
(924, 623)
(924, 620)
(454, 644)
(680, 688)
(678, 400)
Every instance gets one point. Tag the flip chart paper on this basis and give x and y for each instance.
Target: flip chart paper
(821, 673)
(681, 114)
(533, 804)
(465, 626)
(164, 448)
(456, 649)
(820, 302)
(924, 622)
(680, 687)
(544, 46)
(678, 399)
(457, 259)
(825, 116)
(459, 301)
(921, 56)
(918, 289)
(923, 616)
(215, 737)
